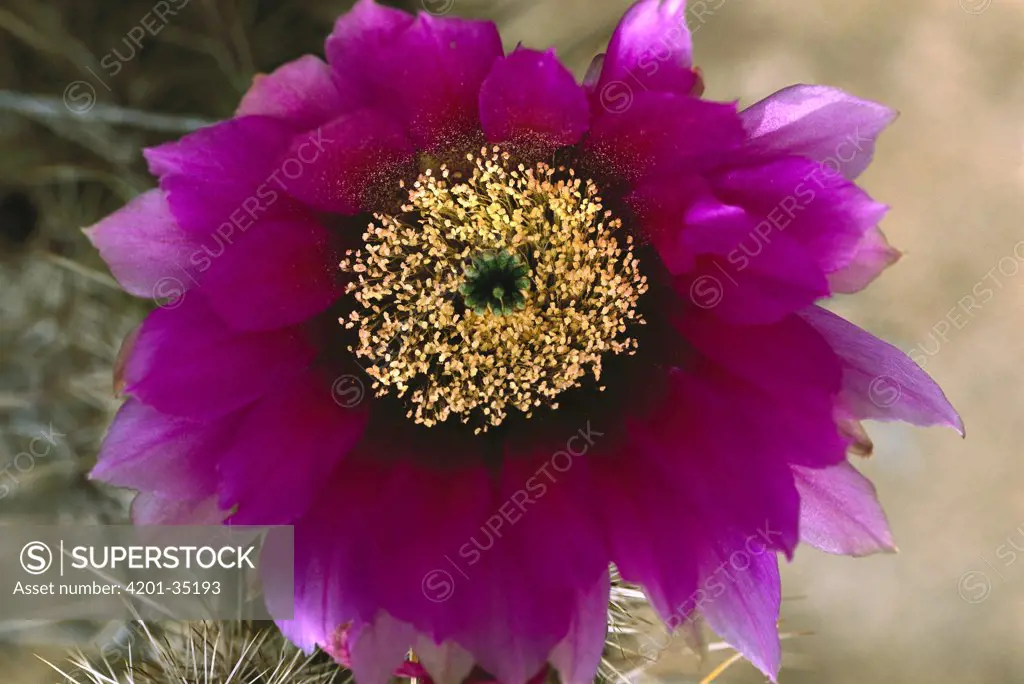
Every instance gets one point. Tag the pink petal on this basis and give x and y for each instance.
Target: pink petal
(789, 358)
(150, 451)
(288, 442)
(186, 362)
(825, 213)
(144, 247)
(732, 262)
(757, 289)
(742, 598)
(663, 132)
(378, 648)
(425, 71)
(358, 161)
(879, 381)
(697, 472)
(578, 656)
(219, 175)
(825, 124)
(872, 255)
(151, 508)
(530, 100)
(273, 275)
(649, 51)
(364, 27)
(473, 574)
(301, 92)
(840, 513)
(447, 663)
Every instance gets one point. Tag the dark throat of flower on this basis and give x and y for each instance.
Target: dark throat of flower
(494, 292)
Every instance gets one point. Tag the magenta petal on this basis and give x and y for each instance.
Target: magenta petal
(345, 571)
(426, 72)
(287, 443)
(186, 362)
(824, 212)
(786, 359)
(743, 598)
(221, 174)
(152, 508)
(687, 478)
(150, 451)
(447, 663)
(674, 210)
(840, 513)
(755, 289)
(276, 274)
(357, 160)
(578, 656)
(301, 92)
(363, 28)
(432, 76)
(649, 51)
(734, 467)
(531, 100)
(871, 256)
(469, 573)
(879, 381)
(144, 247)
(378, 648)
(645, 514)
(825, 124)
(521, 606)
(662, 132)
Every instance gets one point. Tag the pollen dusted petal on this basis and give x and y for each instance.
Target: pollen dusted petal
(300, 92)
(661, 133)
(366, 27)
(425, 71)
(531, 101)
(353, 166)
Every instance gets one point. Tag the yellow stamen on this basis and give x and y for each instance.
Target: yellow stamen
(425, 345)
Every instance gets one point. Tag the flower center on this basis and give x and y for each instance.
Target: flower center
(491, 292)
(496, 282)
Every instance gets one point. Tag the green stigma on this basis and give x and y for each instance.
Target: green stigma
(496, 282)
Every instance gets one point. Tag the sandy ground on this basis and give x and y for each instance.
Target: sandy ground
(948, 607)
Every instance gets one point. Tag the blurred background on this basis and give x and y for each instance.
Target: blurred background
(949, 607)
